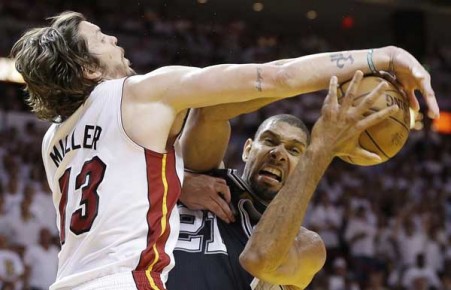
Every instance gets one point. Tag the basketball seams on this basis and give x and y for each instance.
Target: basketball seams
(375, 144)
(393, 119)
(361, 96)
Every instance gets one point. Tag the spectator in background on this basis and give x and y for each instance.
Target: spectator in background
(446, 277)
(341, 278)
(45, 208)
(376, 280)
(326, 219)
(24, 225)
(410, 241)
(421, 276)
(448, 250)
(385, 244)
(360, 235)
(41, 262)
(5, 228)
(11, 266)
(435, 246)
(13, 194)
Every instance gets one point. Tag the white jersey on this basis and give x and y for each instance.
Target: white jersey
(114, 199)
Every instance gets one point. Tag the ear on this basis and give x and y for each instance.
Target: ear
(91, 74)
(246, 149)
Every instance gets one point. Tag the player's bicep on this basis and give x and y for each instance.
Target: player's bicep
(204, 142)
(152, 87)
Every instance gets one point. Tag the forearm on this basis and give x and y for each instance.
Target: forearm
(262, 84)
(313, 72)
(270, 242)
(230, 83)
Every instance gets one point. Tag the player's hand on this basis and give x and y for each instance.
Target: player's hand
(202, 191)
(338, 129)
(413, 76)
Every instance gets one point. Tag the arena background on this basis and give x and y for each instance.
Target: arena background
(404, 204)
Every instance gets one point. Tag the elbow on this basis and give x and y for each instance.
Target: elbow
(253, 262)
(320, 254)
(315, 253)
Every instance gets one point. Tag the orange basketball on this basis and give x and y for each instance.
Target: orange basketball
(387, 137)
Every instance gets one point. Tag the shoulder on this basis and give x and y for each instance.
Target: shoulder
(154, 84)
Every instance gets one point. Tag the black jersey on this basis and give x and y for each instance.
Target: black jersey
(207, 252)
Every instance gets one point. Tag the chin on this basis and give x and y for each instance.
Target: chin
(266, 193)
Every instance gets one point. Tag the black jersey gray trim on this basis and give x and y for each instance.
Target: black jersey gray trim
(245, 219)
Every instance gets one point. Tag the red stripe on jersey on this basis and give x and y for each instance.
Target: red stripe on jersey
(163, 191)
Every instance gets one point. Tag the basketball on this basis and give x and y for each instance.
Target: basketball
(387, 137)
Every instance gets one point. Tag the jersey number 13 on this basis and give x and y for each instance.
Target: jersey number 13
(88, 180)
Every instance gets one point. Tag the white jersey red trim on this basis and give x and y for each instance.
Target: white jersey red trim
(114, 199)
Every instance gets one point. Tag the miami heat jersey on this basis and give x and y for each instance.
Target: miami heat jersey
(115, 200)
(208, 249)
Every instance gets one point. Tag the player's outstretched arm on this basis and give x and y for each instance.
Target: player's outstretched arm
(277, 252)
(187, 87)
(166, 92)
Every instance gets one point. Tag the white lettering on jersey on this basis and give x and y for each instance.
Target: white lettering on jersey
(190, 238)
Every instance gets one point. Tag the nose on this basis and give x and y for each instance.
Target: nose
(278, 153)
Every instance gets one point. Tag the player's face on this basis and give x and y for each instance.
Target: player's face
(272, 156)
(104, 47)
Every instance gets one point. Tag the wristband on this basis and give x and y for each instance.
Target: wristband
(369, 59)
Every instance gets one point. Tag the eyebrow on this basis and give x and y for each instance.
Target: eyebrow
(297, 142)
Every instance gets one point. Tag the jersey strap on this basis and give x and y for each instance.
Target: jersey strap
(239, 190)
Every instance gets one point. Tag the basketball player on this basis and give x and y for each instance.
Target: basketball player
(282, 169)
(112, 157)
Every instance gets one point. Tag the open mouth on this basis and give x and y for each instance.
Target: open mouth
(272, 173)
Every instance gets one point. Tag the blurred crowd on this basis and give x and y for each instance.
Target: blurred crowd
(385, 227)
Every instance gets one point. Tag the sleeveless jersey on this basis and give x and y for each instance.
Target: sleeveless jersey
(115, 200)
(208, 249)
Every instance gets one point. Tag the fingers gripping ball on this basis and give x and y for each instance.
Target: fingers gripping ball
(387, 137)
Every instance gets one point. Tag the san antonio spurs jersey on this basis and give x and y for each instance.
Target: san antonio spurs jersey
(208, 249)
